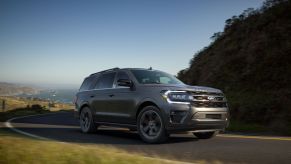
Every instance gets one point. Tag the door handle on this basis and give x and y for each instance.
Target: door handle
(111, 95)
(92, 96)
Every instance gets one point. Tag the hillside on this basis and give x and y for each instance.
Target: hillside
(12, 103)
(251, 62)
(8, 89)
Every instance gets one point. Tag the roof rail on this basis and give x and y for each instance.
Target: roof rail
(112, 69)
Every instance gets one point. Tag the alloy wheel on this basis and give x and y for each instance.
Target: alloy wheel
(150, 124)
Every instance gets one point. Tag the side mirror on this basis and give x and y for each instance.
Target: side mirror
(124, 82)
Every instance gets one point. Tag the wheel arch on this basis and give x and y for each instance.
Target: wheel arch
(85, 104)
(146, 102)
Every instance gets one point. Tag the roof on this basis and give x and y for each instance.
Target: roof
(116, 68)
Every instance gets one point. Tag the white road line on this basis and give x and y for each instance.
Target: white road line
(9, 125)
(255, 137)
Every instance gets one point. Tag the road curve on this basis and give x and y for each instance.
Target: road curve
(64, 127)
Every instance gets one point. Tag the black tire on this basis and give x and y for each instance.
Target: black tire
(205, 135)
(150, 125)
(86, 121)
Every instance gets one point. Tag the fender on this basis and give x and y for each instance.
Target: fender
(148, 99)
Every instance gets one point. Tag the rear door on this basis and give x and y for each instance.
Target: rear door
(101, 97)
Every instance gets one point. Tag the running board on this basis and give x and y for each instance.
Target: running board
(117, 125)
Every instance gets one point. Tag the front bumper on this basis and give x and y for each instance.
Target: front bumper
(183, 117)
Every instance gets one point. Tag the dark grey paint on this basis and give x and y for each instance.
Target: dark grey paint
(119, 105)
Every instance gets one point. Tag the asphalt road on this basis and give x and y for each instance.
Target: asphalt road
(181, 147)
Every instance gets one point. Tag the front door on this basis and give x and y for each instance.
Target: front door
(123, 101)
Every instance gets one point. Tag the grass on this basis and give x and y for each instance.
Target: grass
(16, 106)
(17, 102)
(236, 126)
(17, 149)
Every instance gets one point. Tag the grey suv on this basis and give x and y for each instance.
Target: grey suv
(152, 102)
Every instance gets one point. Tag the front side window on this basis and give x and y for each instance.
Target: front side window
(105, 81)
(154, 77)
(122, 75)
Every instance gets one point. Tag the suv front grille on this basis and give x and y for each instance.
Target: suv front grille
(208, 100)
(206, 93)
(209, 104)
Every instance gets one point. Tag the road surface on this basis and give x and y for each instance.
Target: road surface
(182, 147)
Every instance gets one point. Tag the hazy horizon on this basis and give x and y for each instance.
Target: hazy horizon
(46, 86)
(59, 43)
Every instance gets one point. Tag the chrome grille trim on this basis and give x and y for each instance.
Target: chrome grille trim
(202, 99)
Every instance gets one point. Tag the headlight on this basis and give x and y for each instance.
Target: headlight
(181, 97)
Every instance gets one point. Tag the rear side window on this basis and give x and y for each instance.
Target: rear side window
(86, 84)
(105, 81)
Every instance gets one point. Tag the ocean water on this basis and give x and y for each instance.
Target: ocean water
(58, 95)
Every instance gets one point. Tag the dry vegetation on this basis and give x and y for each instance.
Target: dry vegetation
(12, 102)
(16, 149)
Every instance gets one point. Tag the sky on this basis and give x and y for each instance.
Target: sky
(60, 42)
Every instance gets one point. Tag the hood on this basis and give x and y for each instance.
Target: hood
(186, 88)
(202, 89)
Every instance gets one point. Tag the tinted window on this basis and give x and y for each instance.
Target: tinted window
(87, 83)
(122, 75)
(154, 77)
(105, 81)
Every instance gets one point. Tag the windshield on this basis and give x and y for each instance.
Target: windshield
(154, 77)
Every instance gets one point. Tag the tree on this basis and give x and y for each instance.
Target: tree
(216, 35)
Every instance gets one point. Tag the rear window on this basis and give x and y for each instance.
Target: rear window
(86, 84)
